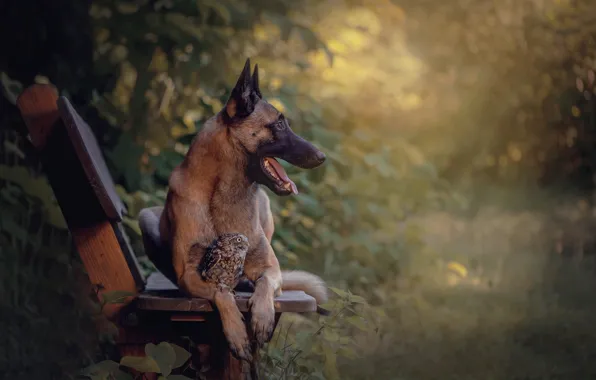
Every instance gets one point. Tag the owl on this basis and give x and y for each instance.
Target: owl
(223, 262)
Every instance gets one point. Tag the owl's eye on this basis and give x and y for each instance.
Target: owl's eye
(239, 240)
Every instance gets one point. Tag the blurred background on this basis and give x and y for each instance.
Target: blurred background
(453, 218)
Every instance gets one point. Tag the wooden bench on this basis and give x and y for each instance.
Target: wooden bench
(93, 212)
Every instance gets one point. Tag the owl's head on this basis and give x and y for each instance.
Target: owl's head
(236, 240)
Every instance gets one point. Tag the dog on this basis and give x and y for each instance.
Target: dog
(217, 190)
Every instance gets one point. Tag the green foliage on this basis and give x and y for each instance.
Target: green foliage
(504, 92)
(313, 349)
(160, 359)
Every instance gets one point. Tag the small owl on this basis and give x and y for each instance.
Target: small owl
(223, 262)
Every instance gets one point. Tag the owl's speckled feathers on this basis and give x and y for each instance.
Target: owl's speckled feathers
(223, 262)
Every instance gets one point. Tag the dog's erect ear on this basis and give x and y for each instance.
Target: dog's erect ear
(255, 82)
(243, 98)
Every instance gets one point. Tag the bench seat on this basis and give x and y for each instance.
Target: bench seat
(161, 294)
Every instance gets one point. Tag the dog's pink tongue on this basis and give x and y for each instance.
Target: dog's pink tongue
(282, 173)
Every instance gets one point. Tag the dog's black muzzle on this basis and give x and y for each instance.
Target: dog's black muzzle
(294, 149)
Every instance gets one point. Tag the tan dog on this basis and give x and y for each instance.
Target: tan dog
(215, 190)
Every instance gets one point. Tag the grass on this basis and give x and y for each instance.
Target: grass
(521, 312)
(460, 334)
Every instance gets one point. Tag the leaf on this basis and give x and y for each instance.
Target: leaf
(332, 305)
(181, 355)
(331, 335)
(141, 364)
(348, 352)
(330, 369)
(14, 149)
(133, 224)
(116, 296)
(357, 299)
(10, 88)
(302, 337)
(380, 313)
(163, 354)
(275, 354)
(339, 292)
(357, 322)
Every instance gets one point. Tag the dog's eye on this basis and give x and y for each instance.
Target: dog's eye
(280, 126)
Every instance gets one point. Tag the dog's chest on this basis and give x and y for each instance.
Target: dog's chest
(236, 214)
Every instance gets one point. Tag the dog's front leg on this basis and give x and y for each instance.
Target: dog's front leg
(191, 234)
(231, 318)
(263, 269)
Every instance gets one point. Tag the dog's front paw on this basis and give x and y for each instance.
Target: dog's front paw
(263, 318)
(234, 327)
(238, 341)
(241, 349)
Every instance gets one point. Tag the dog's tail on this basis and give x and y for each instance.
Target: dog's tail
(309, 283)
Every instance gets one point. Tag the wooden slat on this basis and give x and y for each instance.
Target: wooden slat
(161, 294)
(89, 155)
(290, 301)
(188, 318)
(38, 107)
(129, 255)
(103, 259)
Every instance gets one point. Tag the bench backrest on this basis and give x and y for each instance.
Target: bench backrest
(83, 188)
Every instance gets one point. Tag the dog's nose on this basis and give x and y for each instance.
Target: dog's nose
(321, 156)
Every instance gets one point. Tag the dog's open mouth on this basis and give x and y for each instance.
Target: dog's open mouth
(277, 173)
